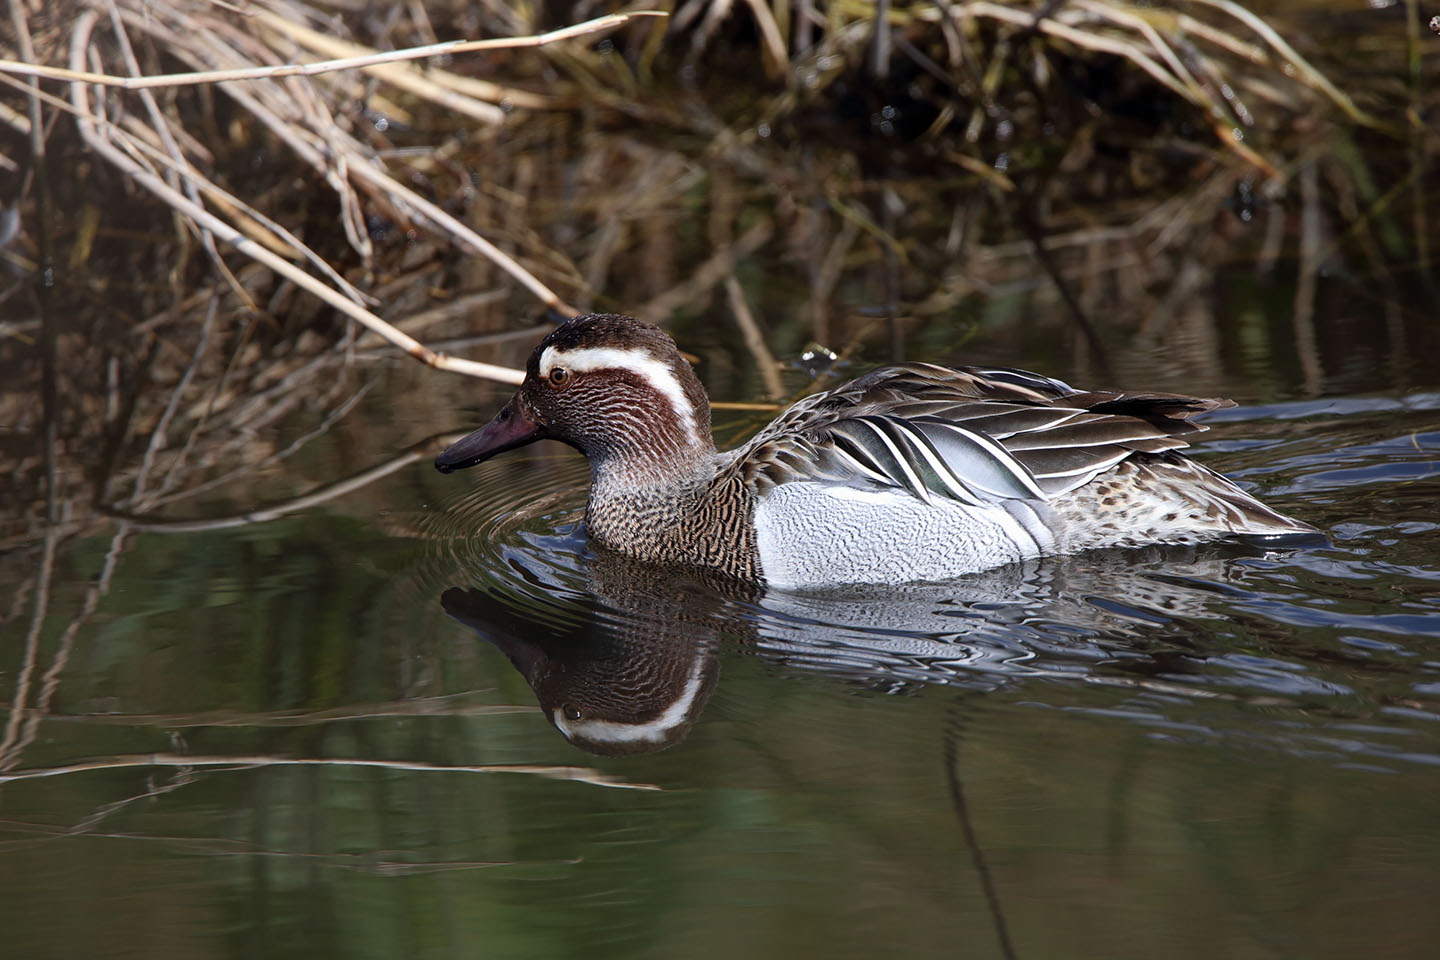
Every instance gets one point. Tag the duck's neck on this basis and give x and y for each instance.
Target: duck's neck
(639, 503)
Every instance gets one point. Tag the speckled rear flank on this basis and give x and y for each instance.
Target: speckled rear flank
(1164, 498)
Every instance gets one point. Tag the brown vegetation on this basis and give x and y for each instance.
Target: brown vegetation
(204, 236)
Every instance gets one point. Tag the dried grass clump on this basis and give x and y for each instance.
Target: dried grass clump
(165, 101)
(1234, 66)
(269, 47)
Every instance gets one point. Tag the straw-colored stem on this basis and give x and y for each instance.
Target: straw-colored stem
(754, 339)
(448, 48)
(251, 761)
(90, 131)
(1302, 66)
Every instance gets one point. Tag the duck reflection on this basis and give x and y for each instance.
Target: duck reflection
(623, 669)
(627, 664)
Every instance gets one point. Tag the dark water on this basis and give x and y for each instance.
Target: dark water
(1203, 752)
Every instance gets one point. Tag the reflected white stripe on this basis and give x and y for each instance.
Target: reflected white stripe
(611, 731)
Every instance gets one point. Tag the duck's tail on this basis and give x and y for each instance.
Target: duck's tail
(1169, 498)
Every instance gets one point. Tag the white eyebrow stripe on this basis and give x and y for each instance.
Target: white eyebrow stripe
(637, 361)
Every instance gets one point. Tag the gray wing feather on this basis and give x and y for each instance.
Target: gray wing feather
(879, 444)
(979, 463)
(978, 436)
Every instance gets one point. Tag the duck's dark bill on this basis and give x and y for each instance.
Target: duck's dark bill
(509, 429)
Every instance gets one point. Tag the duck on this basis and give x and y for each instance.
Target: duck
(912, 472)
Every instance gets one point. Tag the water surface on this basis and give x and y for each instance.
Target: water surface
(1171, 752)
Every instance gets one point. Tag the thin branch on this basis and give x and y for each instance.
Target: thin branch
(448, 48)
(754, 339)
(250, 761)
(90, 130)
(438, 706)
(9, 746)
(274, 512)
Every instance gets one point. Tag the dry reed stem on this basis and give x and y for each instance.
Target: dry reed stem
(259, 227)
(166, 138)
(1131, 52)
(754, 339)
(573, 773)
(448, 48)
(341, 159)
(322, 494)
(1308, 74)
(93, 128)
(436, 706)
(477, 97)
(776, 60)
(347, 160)
(707, 275)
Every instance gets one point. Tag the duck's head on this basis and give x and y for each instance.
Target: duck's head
(614, 388)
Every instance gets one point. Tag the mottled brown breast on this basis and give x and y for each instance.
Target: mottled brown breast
(709, 526)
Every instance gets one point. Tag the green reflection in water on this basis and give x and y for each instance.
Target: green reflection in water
(804, 816)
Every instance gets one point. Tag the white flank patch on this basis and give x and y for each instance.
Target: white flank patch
(651, 731)
(812, 534)
(639, 362)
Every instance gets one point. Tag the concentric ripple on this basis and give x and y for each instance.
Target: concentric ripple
(516, 532)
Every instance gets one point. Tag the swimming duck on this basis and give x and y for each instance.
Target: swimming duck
(911, 472)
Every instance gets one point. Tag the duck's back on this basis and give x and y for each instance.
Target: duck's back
(919, 472)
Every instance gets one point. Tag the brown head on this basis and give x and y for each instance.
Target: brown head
(615, 389)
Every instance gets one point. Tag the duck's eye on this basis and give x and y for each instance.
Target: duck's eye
(559, 376)
(571, 711)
